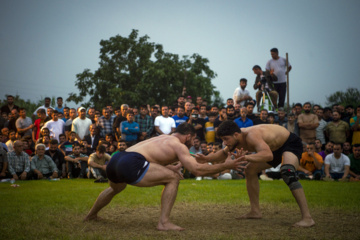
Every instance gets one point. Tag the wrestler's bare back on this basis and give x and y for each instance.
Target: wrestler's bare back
(273, 135)
(160, 149)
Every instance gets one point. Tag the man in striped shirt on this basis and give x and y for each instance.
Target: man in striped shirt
(19, 162)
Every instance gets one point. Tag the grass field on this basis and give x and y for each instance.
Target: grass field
(207, 209)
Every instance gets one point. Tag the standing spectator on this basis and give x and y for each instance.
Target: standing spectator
(187, 108)
(298, 109)
(337, 130)
(55, 126)
(68, 123)
(328, 149)
(81, 124)
(24, 124)
(180, 116)
(281, 117)
(59, 107)
(97, 164)
(209, 128)
(318, 146)
(264, 82)
(196, 148)
(146, 123)
(277, 65)
(310, 163)
(12, 121)
(46, 106)
(355, 127)
(307, 122)
(198, 123)
(9, 106)
(42, 166)
(164, 124)
(38, 124)
(181, 101)
(291, 124)
(355, 163)
(129, 129)
(218, 121)
(202, 113)
(119, 118)
(229, 102)
(337, 165)
(57, 156)
(91, 114)
(250, 111)
(19, 162)
(241, 95)
(66, 114)
(320, 130)
(230, 112)
(327, 116)
(122, 146)
(77, 163)
(105, 122)
(203, 146)
(199, 102)
(263, 118)
(243, 121)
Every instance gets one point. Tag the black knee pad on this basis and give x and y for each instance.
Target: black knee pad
(288, 173)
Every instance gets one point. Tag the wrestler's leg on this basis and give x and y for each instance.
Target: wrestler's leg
(299, 195)
(160, 175)
(104, 199)
(252, 185)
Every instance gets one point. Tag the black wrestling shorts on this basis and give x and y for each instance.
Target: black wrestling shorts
(128, 167)
(293, 144)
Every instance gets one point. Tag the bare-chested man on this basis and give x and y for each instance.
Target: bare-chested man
(308, 122)
(270, 143)
(149, 163)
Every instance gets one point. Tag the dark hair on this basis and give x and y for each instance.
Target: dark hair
(227, 128)
(185, 128)
(204, 142)
(312, 143)
(230, 107)
(307, 103)
(76, 144)
(143, 107)
(356, 145)
(59, 98)
(47, 98)
(219, 144)
(54, 141)
(21, 109)
(340, 144)
(256, 67)
(101, 149)
(129, 112)
(182, 107)
(249, 103)
(212, 114)
(66, 108)
(229, 99)
(298, 105)
(61, 135)
(274, 50)
(243, 80)
(327, 109)
(349, 106)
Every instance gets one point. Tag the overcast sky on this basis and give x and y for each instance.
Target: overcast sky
(44, 44)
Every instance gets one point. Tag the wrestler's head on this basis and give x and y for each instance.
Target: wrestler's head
(189, 131)
(228, 131)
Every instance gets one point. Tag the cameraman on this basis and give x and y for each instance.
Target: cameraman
(264, 82)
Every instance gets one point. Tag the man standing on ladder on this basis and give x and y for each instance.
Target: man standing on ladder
(264, 84)
(278, 66)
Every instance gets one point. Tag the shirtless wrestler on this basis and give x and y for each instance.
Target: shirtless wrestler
(269, 143)
(150, 163)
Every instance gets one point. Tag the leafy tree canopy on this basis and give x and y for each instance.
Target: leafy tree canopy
(350, 97)
(135, 71)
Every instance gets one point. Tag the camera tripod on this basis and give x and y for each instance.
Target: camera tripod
(266, 102)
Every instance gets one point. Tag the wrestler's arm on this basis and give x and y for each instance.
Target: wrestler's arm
(263, 152)
(219, 156)
(205, 169)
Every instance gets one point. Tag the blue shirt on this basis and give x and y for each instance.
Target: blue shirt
(131, 133)
(248, 122)
(179, 120)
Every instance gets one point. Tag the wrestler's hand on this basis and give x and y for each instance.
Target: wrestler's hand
(237, 163)
(177, 169)
(239, 153)
(200, 158)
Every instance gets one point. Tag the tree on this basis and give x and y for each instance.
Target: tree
(135, 71)
(27, 104)
(350, 97)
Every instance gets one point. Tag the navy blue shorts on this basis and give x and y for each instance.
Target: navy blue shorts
(293, 144)
(128, 167)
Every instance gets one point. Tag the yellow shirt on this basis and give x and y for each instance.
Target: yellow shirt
(209, 132)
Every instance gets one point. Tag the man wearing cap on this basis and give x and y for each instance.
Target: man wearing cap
(81, 124)
(241, 95)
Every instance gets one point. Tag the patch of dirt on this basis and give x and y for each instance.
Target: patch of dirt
(213, 221)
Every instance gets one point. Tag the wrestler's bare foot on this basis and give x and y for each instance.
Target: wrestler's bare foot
(169, 226)
(250, 215)
(308, 222)
(92, 218)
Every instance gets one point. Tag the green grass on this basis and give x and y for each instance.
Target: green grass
(48, 209)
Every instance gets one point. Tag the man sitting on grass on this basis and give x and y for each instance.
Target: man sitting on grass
(97, 164)
(42, 166)
(310, 164)
(76, 162)
(337, 165)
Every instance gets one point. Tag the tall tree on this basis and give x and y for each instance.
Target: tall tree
(350, 97)
(135, 71)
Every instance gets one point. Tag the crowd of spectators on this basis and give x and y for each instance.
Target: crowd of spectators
(62, 142)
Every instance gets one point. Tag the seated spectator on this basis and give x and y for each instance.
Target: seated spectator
(196, 147)
(42, 166)
(203, 146)
(355, 127)
(38, 124)
(355, 163)
(3, 163)
(122, 146)
(273, 173)
(337, 165)
(346, 148)
(26, 147)
(243, 121)
(318, 146)
(262, 119)
(97, 164)
(130, 129)
(310, 164)
(77, 163)
(67, 146)
(57, 156)
(92, 140)
(250, 111)
(19, 162)
(210, 147)
(271, 118)
(5, 132)
(281, 117)
(10, 142)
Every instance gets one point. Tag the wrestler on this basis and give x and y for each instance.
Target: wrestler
(270, 143)
(150, 163)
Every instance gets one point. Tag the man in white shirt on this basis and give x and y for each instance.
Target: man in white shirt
(337, 165)
(55, 126)
(81, 124)
(164, 124)
(277, 65)
(46, 106)
(241, 95)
